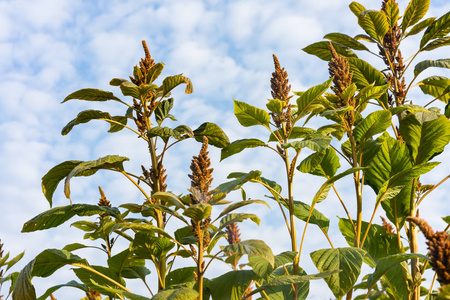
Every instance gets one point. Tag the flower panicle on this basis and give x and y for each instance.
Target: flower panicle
(339, 69)
(280, 86)
(145, 65)
(201, 177)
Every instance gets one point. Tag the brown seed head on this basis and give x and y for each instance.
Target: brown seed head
(201, 177)
(233, 234)
(279, 82)
(439, 245)
(145, 65)
(340, 69)
(103, 201)
(387, 226)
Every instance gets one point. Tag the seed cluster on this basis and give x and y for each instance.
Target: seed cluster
(280, 86)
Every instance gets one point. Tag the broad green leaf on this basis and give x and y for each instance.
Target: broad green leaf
(249, 115)
(91, 277)
(58, 215)
(141, 227)
(392, 13)
(374, 123)
(296, 133)
(74, 246)
(154, 72)
(170, 82)
(198, 212)
(365, 37)
(322, 193)
(130, 89)
(410, 108)
(182, 293)
(357, 8)
(170, 198)
(420, 26)
(386, 263)
(180, 275)
(216, 136)
(163, 132)
(322, 50)
(414, 13)
(439, 63)
(91, 95)
(251, 247)
(425, 140)
(117, 81)
(135, 272)
(319, 143)
(346, 261)
(239, 145)
(241, 178)
(374, 23)
(89, 115)
(23, 289)
(112, 162)
(162, 110)
(144, 89)
(72, 284)
(436, 86)
(147, 246)
(14, 260)
(365, 74)
(444, 41)
(438, 29)
(302, 211)
(119, 261)
(275, 106)
(237, 217)
(231, 285)
(345, 40)
(327, 167)
(370, 92)
(239, 204)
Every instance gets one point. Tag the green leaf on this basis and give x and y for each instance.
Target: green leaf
(249, 115)
(392, 13)
(438, 29)
(162, 110)
(89, 115)
(141, 227)
(386, 263)
(285, 291)
(322, 50)
(91, 95)
(425, 140)
(414, 13)
(58, 215)
(346, 260)
(91, 277)
(170, 82)
(374, 23)
(302, 210)
(365, 74)
(231, 285)
(74, 246)
(420, 26)
(154, 72)
(275, 106)
(216, 136)
(439, 63)
(72, 284)
(170, 198)
(117, 81)
(130, 89)
(345, 40)
(239, 145)
(374, 123)
(326, 167)
(296, 133)
(198, 212)
(147, 246)
(241, 178)
(14, 260)
(319, 143)
(356, 8)
(239, 204)
(251, 247)
(263, 269)
(182, 293)
(410, 108)
(180, 275)
(111, 162)
(237, 217)
(444, 41)
(436, 86)
(371, 92)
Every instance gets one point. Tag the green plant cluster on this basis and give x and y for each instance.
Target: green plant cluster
(383, 140)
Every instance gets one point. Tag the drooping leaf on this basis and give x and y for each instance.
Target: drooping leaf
(130, 89)
(198, 212)
(182, 293)
(365, 74)
(236, 218)
(346, 261)
(419, 27)
(439, 63)
(374, 123)
(91, 95)
(231, 285)
(86, 168)
(170, 82)
(72, 284)
(170, 198)
(249, 115)
(302, 211)
(444, 41)
(91, 277)
(117, 81)
(438, 29)
(414, 13)
(275, 105)
(436, 86)
(235, 184)
(147, 246)
(251, 247)
(322, 50)
(89, 115)
(180, 275)
(239, 145)
(239, 204)
(141, 227)
(319, 143)
(411, 108)
(345, 40)
(58, 215)
(216, 136)
(296, 133)
(374, 23)
(327, 167)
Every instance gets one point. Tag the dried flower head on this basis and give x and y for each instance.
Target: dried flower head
(439, 245)
(339, 68)
(103, 201)
(201, 177)
(387, 226)
(233, 234)
(280, 82)
(145, 65)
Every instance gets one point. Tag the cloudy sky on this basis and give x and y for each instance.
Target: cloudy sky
(51, 48)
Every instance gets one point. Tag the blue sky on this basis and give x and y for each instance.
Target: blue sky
(49, 49)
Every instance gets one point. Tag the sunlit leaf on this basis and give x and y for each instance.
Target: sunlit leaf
(239, 204)
(239, 145)
(438, 29)
(182, 293)
(392, 13)
(365, 74)
(216, 136)
(198, 212)
(231, 285)
(373, 124)
(374, 23)
(439, 63)
(414, 13)
(89, 115)
(436, 86)
(249, 115)
(444, 41)
(420, 26)
(356, 8)
(345, 40)
(170, 82)
(322, 50)
(251, 247)
(91, 95)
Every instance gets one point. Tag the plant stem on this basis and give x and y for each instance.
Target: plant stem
(413, 242)
(200, 264)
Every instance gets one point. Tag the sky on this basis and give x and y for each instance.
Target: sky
(51, 48)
